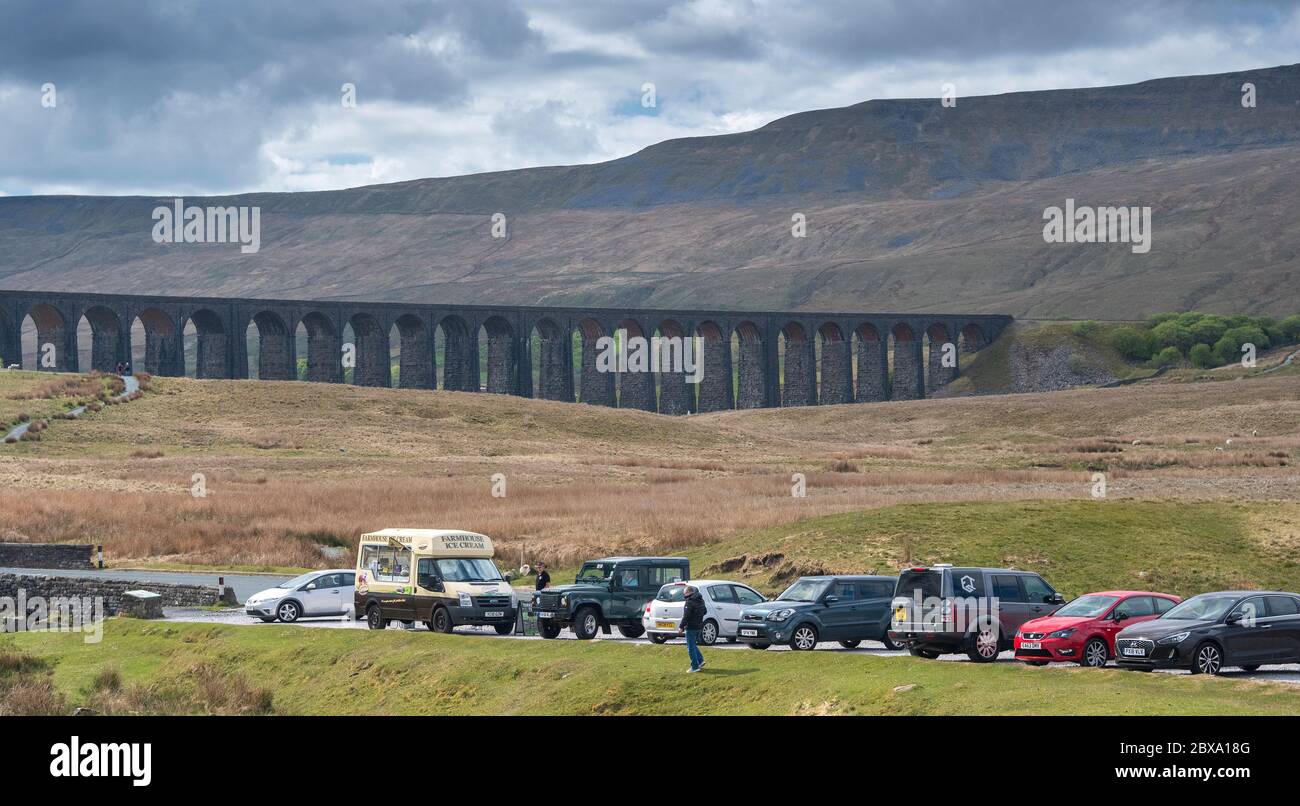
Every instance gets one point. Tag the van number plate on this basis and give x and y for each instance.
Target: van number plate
(495, 614)
(545, 615)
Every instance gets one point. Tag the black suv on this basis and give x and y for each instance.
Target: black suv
(941, 609)
(1208, 632)
(848, 609)
(613, 591)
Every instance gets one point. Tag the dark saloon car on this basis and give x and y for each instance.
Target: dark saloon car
(848, 609)
(1211, 631)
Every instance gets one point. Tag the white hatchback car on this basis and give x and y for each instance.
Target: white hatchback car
(723, 600)
(315, 593)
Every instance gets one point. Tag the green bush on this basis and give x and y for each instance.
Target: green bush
(1173, 334)
(1133, 344)
(1169, 356)
(1201, 355)
(1086, 329)
(1290, 327)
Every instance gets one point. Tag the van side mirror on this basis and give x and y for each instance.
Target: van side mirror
(830, 600)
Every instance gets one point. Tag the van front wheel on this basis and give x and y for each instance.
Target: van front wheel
(439, 620)
(375, 618)
(547, 629)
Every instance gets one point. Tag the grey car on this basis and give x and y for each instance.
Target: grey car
(847, 609)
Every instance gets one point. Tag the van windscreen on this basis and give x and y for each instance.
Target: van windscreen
(468, 570)
(929, 583)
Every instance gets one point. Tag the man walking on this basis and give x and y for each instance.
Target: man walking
(543, 578)
(693, 610)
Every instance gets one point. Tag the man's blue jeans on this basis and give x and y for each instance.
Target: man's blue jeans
(693, 648)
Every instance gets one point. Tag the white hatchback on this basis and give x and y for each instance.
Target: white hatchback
(315, 593)
(723, 601)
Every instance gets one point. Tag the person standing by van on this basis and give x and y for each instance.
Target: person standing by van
(543, 578)
(693, 611)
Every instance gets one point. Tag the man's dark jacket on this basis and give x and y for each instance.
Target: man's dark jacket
(693, 613)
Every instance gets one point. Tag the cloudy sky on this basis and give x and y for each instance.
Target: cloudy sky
(193, 97)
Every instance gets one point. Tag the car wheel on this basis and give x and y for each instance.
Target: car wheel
(850, 644)
(288, 612)
(439, 621)
(586, 624)
(658, 638)
(917, 652)
(1250, 667)
(759, 646)
(375, 618)
(631, 631)
(504, 629)
(709, 632)
(889, 642)
(982, 645)
(547, 629)
(804, 638)
(1095, 654)
(1208, 659)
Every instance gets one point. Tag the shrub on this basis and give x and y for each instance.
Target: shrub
(1133, 344)
(1173, 334)
(1290, 327)
(1169, 356)
(1201, 355)
(1086, 329)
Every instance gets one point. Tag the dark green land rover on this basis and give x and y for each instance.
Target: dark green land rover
(612, 592)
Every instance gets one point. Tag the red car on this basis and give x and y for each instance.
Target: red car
(1083, 631)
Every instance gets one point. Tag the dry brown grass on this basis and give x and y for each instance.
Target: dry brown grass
(293, 467)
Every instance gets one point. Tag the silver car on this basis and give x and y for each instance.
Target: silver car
(315, 593)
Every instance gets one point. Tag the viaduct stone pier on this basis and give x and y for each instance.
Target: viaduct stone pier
(749, 359)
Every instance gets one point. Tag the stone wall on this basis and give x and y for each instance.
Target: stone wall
(112, 590)
(46, 555)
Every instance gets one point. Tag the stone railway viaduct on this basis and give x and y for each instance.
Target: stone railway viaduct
(828, 357)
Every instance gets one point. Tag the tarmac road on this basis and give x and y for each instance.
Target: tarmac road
(1282, 673)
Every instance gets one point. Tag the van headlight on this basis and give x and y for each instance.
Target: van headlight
(780, 615)
(1176, 638)
(564, 600)
(466, 600)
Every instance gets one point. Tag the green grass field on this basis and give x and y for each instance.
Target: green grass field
(1078, 546)
(313, 671)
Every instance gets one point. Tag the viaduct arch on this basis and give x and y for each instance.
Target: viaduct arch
(756, 359)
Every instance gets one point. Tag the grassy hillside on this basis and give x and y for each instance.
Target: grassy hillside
(42, 395)
(179, 668)
(911, 206)
(1079, 546)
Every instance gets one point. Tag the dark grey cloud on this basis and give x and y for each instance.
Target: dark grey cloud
(195, 96)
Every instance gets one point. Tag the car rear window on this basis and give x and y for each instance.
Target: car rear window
(926, 584)
(671, 593)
